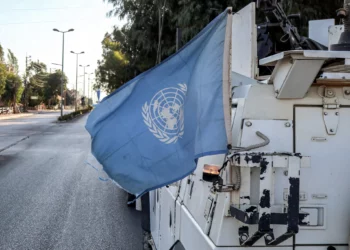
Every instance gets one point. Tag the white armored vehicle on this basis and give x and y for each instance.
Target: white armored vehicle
(285, 184)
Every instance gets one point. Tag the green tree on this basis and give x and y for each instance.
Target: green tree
(149, 35)
(193, 16)
(141, 33)
(37, 76)
(113, 68)
(136, 43)
(69, 96)
(3, 74)
(151, 29)
(52, 87)
(12, 61)
(13, 90)
(312, 10)
(37, 73)
(1, 54)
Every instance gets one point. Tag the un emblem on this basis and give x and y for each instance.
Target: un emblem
(164, 116)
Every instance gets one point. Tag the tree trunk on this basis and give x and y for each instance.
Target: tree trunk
(14, 103)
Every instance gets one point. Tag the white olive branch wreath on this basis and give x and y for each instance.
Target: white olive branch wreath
(162, 136)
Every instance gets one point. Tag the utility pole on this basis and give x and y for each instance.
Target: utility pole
(92, 102)
(161, 15)
(63, 32)
(89, 74)
(25, 85)
(84, 83)
(88, 89)
(62, 79)
(84, 66)
(76, 78)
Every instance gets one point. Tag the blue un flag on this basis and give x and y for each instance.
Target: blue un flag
(149, 132)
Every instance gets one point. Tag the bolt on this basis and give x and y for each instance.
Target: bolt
(287, 124)
(330, 92)
(268, 237)
(343, 77)
(336, 113)
(285, 173)
(325, 113)
(331, 130)
(244, 237)
(248, 123)
(347, 92)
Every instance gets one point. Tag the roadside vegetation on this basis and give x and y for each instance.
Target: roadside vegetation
(149, 36)
(75, 114)
(36, 87)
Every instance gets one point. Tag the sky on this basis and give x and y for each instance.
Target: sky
(26, 27)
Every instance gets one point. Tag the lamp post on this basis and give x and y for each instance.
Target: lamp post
(76, 79)
(84, 66)
(89, 74)
(63, 32)
(25, 84)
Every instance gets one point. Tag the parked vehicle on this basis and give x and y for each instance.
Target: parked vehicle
(284, 183)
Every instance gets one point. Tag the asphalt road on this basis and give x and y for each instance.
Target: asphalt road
(50, 198)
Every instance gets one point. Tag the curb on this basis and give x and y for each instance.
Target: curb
(69, 120)
(15, 116)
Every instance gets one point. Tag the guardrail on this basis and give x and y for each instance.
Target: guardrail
(5, 110)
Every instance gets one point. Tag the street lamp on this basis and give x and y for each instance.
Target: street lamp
(63, 32)
(84, 66)
(89, 74)
(76, 79)
(28, 60)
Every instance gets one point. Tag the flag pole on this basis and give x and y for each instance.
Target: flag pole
(226, 81)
